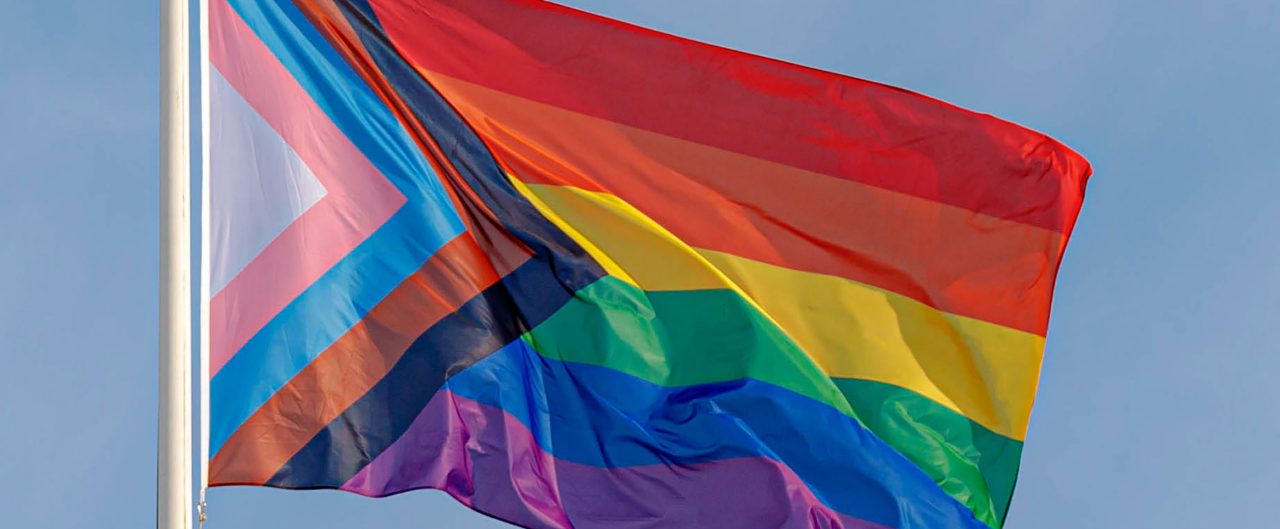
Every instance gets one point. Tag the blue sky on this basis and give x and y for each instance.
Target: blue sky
(1158, 404)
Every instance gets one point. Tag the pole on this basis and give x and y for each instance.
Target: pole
(173, 449)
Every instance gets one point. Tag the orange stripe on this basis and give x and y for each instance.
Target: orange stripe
(955, 260)
(351, 366)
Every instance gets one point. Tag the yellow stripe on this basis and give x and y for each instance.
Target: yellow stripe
(594, 251)
(984, 371)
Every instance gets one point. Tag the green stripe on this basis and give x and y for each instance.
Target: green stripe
(679, 339)
(685, 338)
(973, 464)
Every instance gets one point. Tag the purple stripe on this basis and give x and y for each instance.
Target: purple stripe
(490, 462)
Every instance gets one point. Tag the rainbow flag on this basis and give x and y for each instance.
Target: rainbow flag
(577, 273)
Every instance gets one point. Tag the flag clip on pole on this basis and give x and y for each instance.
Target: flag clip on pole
(202, 515)
(173, 448)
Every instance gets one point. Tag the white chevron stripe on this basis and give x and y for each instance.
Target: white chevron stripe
(258, 185)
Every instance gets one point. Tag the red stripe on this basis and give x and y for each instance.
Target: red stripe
(814, 120)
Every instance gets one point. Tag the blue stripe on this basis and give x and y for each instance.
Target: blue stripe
(558, 268)
(597, 416)
(343, 295)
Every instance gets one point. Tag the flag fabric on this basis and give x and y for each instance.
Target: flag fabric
(577, 273)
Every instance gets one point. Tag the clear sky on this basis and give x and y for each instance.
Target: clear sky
(1159, 405)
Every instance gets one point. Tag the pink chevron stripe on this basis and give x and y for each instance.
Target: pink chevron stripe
(490, 461)
(358, 200)
(257, 185)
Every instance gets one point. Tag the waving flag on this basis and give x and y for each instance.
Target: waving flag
(577, 273)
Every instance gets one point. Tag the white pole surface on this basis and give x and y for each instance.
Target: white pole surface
(173, 448)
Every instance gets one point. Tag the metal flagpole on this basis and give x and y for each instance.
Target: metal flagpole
(173, 448)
